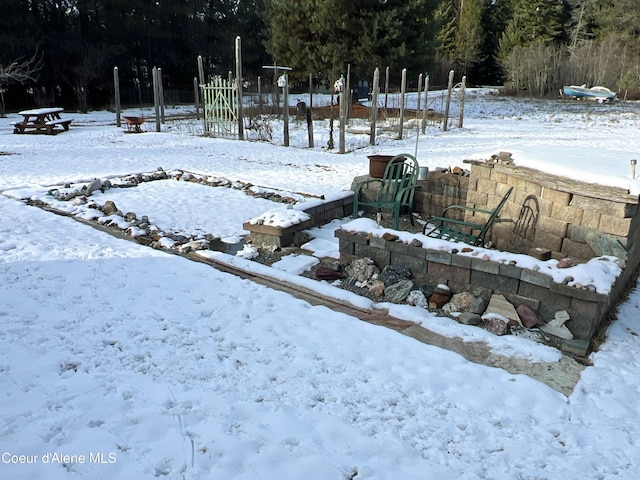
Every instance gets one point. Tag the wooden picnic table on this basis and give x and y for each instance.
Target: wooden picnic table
(42, 120)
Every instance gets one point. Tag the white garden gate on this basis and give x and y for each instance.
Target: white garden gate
(220, 108)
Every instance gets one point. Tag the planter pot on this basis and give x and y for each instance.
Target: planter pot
(378, 163)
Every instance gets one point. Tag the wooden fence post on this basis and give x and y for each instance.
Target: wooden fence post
(196, 96)
(426, 104)
(462, 91)
(386, 88)
(116, 86)
(201, 77)
(310, 90)
(156, 97)
(161, 95)
(445, 121)
(419, 90)
(310, 127)
(260, 94)
(343, 116)
(285, 108)
(403, 91)
(374, 105)
(239, 85)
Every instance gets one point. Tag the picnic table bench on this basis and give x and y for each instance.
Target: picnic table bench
(42, 120)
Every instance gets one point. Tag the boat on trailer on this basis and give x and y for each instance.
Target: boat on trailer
(599, 94)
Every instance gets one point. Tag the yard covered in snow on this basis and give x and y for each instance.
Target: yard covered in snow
(121, 361)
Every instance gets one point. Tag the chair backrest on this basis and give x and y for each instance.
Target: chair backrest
(401, 171)
(494, 214)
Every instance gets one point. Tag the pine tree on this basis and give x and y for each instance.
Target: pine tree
(534, 21)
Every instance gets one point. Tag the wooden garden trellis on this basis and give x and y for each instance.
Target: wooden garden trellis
(220, 101)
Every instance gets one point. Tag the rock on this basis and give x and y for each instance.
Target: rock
(443, 289)
(326, 273)
(603, 244)
(479, 306)
(91, 187)
(528, 316)
(362, 270)
(416, 243)
(377, 288)
(438, 300)
(499, 305)
(390, 237)
(495, 326)
(468, 318)
(565, 263)
(393, 274)
(417, 298)
(450, 307)
(109, 208)
(534, 335)
(397, 292)
(464, 301)
(556, 326)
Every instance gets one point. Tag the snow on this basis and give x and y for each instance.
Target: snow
(122, 361)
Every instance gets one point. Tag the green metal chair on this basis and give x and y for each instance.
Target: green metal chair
(396, 188)
(460, 230)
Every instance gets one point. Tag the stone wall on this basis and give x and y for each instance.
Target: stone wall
(485, 278)
(557, 216)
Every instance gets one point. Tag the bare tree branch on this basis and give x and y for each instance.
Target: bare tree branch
(21, 71)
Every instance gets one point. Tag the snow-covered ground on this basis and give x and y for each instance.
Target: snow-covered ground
(121, 361)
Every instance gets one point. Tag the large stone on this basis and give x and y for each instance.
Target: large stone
(377, 288)
(500, 306)
(417, 298)
(557, 326)
(495, 326)
(393, 274)
(528, 317)
(397, 292)
(464, 301)
(362, 270)
(438, 300)
(469, 318)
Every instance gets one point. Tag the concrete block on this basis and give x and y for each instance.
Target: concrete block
(417, 252)
(576, 250)
(552, 225)
(567, 213)
(510, 271)
(535, 278)
(437, 256)
(615, 225)
(556, 196)
(455, 277)
(416, 265)
(497, 283)
(578, 348)
(540, 253)
(485, 266)
(378, 242)
(591, 219)
(548, 240)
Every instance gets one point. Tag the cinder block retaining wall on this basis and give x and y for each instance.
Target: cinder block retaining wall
(321, 212)
(483, 278)
(544, 212)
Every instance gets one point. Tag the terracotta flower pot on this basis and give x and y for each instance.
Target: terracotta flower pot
(378, 163)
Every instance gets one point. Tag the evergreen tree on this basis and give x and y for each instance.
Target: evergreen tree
(460, 36)
(324, 36)
(534, 21)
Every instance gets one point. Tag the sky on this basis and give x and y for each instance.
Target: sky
(122, 361)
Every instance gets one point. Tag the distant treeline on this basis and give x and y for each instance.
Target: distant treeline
(535, 46)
